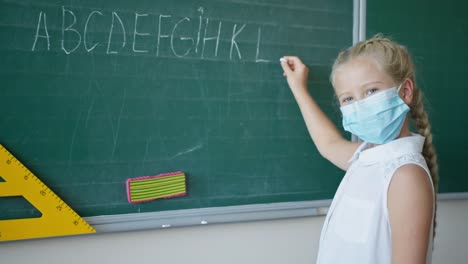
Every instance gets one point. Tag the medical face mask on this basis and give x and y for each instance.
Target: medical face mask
(376, 119)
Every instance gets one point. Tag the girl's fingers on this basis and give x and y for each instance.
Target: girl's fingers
(293, 60)
(292, 66)
(286, 67)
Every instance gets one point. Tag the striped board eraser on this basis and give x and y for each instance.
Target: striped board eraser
(148, 188)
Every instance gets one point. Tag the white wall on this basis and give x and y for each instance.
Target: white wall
(280, 241)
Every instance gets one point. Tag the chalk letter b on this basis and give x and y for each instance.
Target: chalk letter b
(69, 28)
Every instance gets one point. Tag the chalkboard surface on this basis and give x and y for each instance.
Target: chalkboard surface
(436, 36)
(95, 92)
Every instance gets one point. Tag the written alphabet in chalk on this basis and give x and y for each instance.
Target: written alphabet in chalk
(166, 34)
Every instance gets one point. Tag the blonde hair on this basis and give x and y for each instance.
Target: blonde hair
(395, 60)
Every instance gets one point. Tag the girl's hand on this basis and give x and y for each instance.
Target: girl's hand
(295, 72)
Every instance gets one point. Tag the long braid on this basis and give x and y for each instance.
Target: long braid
(421, 121)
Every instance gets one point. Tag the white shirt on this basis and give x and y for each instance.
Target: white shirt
(357, 227)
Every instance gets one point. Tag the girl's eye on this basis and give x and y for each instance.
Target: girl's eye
(347, 100)
(372, 91)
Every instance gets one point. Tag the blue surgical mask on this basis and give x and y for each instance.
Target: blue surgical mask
(376, 119)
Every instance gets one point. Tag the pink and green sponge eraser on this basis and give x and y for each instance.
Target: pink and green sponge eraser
(148, 188)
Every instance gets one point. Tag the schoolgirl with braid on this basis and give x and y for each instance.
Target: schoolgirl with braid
(384, 208)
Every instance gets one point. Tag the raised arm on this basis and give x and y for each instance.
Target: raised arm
(324, 133)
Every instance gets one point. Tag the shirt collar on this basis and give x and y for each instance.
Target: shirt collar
(394, 149)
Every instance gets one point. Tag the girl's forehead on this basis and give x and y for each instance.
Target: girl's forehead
(357, 72)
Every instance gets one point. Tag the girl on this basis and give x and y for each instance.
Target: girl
(384, 208)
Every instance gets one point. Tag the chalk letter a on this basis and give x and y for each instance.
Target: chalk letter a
(46, 36)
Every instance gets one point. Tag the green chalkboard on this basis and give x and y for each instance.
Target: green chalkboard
(436, 35)
(95, 92)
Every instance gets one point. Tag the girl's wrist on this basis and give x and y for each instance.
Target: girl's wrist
(300, 91)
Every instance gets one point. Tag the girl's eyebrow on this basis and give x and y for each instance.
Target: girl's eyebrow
(371, 82)
(339, 95)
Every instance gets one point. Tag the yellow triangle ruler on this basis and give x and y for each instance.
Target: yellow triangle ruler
(57, 219)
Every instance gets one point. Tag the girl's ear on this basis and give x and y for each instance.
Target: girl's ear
(406, 91)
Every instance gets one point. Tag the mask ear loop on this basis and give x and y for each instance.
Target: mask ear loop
(399, 87)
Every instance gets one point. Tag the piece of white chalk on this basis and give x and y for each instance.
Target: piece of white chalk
(283, 60)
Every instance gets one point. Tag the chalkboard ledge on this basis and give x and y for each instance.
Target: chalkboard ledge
(207, 216)
(218, 215)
